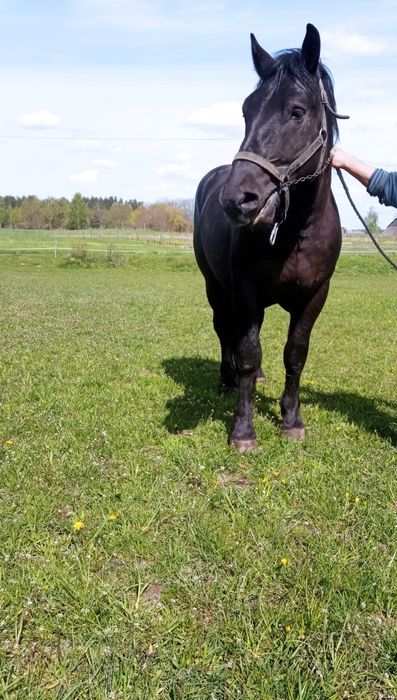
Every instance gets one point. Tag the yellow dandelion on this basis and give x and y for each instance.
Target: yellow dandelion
(114, 516)
(275, 474)
(287, 629)
(10, 442)
(150, 648)
(283, 481)
(78, 525)
(283, 561)
(337, 428)
(347, 495)
(357, 500)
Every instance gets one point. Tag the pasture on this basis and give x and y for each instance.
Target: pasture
(141, 557)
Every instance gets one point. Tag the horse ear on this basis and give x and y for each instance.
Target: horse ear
(262, 60)
(311, 48)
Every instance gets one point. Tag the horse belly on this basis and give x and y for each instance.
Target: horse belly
(212, 230)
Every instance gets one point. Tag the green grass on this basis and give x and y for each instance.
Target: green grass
(108, 402)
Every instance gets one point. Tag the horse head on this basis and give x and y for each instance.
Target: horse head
(287, 133)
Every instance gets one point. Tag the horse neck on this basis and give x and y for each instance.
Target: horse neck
(310, 199)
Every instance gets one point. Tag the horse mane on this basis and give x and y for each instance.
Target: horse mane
(289, 62)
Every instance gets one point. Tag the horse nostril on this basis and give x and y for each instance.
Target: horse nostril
(249, 197)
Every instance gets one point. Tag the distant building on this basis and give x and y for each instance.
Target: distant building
(391, 230)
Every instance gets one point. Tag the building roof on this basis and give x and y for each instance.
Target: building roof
(391, 230)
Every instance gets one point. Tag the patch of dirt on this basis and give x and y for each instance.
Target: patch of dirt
(153, 593)
(227, 478)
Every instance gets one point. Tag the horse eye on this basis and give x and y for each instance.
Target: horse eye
(297, 113)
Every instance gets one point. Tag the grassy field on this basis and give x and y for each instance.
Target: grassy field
(140, 557)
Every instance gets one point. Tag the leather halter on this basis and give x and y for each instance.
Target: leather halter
(283, 174)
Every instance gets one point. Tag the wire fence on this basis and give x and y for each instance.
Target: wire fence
(128, 243)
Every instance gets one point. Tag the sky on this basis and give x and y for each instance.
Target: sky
(140, 99)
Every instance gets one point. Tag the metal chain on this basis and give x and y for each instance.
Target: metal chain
(306, 178)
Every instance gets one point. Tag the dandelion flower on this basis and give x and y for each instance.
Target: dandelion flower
(283, 561)
(10, 442)
(78, 525)
(114, 516)
(287, 629)
(150, 648)
(357, 500)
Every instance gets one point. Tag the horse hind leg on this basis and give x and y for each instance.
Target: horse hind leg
(224, 330)
(260, 375)
(223, 325)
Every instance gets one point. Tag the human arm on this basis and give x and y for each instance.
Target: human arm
(361, 171)
(379, 183)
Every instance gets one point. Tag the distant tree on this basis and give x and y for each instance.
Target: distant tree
(187, 207)
(55, 212)
(31, 213)
(161, 216)
(118, 215)
(97, 213)
(372, 221)
(134, 204)
(15, 217)
(77, 213)
(4, 216)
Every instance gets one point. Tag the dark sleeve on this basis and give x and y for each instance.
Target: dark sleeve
(384, 186)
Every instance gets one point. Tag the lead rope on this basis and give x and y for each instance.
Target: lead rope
(372, 237)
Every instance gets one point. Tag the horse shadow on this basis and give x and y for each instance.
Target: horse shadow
(369, 413)
(200, 402)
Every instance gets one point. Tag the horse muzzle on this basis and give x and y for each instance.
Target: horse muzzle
(249, 210)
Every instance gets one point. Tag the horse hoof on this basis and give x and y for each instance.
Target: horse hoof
(244, 445)
(293, 433)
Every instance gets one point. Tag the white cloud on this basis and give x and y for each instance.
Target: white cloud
(104, 163)
(87, 144)
(220, 114)
(181, 167)
(351, 43)
(128, 15)
(85, 176)
(40, 119)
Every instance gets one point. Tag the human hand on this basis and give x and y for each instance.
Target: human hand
(339, 157)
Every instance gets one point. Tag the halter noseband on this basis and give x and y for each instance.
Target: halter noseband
(283, 174)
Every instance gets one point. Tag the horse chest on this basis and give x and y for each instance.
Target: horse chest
(295, 274)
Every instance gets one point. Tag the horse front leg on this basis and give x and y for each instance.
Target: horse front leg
(295, 353)
(248, 356)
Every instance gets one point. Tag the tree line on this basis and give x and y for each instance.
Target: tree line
(30, 212)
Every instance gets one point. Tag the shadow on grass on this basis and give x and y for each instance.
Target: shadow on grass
(366, 412)
(201, 402)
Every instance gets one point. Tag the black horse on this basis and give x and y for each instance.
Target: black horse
(267, 229)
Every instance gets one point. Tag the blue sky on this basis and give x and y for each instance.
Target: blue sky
(140, 99)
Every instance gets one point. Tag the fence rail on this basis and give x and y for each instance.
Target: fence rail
(127, 242)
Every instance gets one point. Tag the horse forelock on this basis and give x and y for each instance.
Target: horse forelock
(289, 64)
